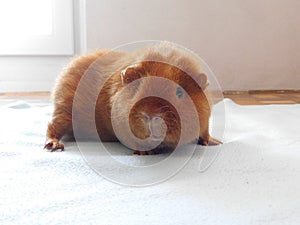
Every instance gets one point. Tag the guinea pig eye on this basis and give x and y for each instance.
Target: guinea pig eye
(179, 92)
(127, 80)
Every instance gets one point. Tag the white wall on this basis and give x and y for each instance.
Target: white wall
(249, 44)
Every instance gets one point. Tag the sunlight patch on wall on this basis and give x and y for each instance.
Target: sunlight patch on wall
(21, 19)
(36, 27)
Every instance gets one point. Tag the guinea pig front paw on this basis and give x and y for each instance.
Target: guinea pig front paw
(210, 141)
(53, 145)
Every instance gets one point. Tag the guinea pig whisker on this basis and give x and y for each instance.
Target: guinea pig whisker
(164, 108)
(174, 124)
(170, 114)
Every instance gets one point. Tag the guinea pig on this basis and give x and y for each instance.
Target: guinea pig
(154, 98)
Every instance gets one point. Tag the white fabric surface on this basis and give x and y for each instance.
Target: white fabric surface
(254, 180)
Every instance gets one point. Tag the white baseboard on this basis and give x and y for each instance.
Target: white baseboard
(25, 86)
(22, 74)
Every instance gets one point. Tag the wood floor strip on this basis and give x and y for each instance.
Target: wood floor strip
(253, 97)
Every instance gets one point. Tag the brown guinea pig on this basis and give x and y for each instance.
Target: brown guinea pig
(151, 99)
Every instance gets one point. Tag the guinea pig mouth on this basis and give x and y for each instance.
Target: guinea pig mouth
(157, 128)
(156, 138)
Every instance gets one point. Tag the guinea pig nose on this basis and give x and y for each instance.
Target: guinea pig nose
(145, 117)
(156, 119)
(157, 126)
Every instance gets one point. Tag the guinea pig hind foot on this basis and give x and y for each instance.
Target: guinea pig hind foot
(208, 141)
(53, 145)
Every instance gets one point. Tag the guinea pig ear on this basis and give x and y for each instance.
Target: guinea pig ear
(201, 80)
(129, 74)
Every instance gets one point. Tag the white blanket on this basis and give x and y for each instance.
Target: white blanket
(255, 179)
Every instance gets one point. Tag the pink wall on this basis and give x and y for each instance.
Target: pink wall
(249, 44)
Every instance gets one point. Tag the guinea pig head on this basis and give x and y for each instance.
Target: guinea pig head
(156, 119)
(162, 105)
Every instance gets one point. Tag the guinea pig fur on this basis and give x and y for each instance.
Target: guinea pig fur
(139, 100)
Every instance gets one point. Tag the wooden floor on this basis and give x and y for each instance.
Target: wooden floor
(264, 97)
(240, 97)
